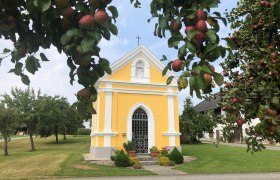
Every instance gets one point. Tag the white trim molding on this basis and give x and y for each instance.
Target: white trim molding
(132, 91)
(138, 83)
(151, 123)
(148, 56)
(104, 134)
(146, 68)
(171, 133)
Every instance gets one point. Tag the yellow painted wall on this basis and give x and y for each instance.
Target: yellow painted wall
(123, 102)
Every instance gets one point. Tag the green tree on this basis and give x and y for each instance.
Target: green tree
(24, 101)
(8, 123)
(195, 124)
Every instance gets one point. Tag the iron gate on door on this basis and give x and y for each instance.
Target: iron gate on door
(140, 131)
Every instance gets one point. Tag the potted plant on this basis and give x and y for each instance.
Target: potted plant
(130, 148)
(154, 151)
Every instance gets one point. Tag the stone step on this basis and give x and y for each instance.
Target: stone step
(148, 163)
(146, 158)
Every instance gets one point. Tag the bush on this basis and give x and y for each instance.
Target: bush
(121, 160)
(129, 146)
(153, 149)
(137, 165)
(164, 153)
(163, 161)
(133, 160)
(113, 157)
(176, 156)
(84, 131)
(171, 163)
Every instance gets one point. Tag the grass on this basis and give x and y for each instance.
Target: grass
(52, 160)
(226, 159)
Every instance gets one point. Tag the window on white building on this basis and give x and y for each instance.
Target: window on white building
(140, 69)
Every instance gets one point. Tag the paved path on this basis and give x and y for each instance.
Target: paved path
(163, 170)
(237, 176)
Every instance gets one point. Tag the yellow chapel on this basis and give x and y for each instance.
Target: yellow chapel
(134, 103)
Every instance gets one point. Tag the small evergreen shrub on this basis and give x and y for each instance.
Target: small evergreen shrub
(137, 165)
(176, 156)
(163, 161)
(83, 131)
(121, 160)
(133, 160)
(129, 146)
(113, 157)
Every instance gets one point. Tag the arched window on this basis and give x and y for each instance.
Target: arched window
(140, 69)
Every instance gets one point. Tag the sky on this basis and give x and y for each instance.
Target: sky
(53, 79)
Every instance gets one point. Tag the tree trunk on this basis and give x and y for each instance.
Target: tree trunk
(31, 141)
(6, 146)
(64, 135)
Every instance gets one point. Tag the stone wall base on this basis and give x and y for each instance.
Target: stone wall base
(102, 153)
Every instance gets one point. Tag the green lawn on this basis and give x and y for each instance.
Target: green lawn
(14, 136)
(226, 159)
(54, 160)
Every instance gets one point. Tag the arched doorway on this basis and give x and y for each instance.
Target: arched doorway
(140, 131)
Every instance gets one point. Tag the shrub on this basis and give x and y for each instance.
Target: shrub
(121, 160)
(171, 163)
(129, 146)
(113, 157)
(164, 153)
(137, 165)
(83, 131)
(163, 161)
(133, 160)
(153, 149)
(176, 156)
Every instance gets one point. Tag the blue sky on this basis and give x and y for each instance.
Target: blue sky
(53, 77)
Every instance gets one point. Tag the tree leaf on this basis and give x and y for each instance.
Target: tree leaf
(113, 29)
(211, 36)
(31, 64)
(43, 57)
(169, 80)
(275, 100)
(43, 5)
(25, 79)
(218, 78)
(114, 11)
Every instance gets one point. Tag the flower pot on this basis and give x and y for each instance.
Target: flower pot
(131, 153)
(154, 153)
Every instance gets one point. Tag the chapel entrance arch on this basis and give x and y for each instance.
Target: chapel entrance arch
(140, 131)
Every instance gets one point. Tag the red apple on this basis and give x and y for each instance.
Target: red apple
(86, 22)
(100, 16)
(273, 55)
(274, 73)
(61, 4)
(176, 65)
(272, 129)
(208, 78)
(233, 38)
(271, 112)
(262, 3)
(235, 73)
(271, 47)
(201, 25)
(255, 27)
(225, 73)
(188, 28)
(212, 68)
(84, 93)
(201, 15)
(235, 100)
(199, 38)
(267, 4)
(175, 25)
(228, 85)
(273, 61)
(239, 122)
(67, 13)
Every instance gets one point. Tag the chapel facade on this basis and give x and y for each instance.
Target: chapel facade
(134, 103)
